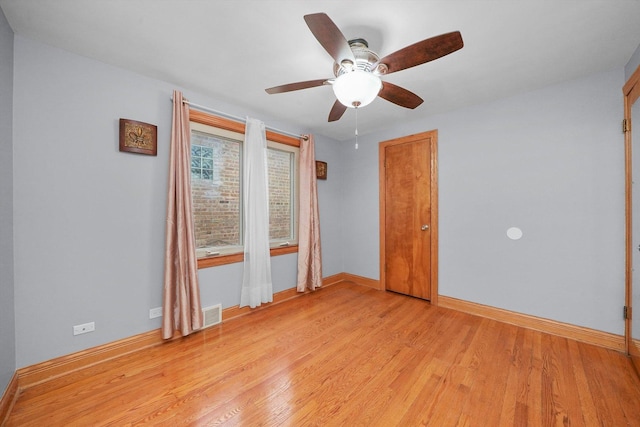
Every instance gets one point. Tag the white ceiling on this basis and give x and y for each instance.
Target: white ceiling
(233, 50)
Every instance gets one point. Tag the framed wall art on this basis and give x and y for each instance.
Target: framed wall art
(138, 137)
(321, 170)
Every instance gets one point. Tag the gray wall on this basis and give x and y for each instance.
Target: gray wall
(550, 162)
(7, 317)
(331, 197)
(633, 64)
(89, 221)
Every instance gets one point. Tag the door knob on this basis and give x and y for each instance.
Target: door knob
(425, 227)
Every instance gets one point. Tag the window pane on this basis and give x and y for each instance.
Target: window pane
(280, 165)
(216, 197)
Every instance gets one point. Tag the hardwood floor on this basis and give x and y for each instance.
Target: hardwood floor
(348, 355)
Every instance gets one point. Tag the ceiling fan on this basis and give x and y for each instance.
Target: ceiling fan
(357, 69)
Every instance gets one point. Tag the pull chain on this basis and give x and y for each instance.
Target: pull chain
(356, 127)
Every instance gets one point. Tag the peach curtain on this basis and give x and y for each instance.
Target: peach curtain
(309, 250)
(181, 307)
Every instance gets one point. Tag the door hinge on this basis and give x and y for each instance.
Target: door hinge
(626, 313)
(626, 125)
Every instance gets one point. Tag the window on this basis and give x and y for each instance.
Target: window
(216, 186)
(201, 161)
(282, 170)
(216, 190)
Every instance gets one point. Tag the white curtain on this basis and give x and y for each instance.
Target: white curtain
(256, 281)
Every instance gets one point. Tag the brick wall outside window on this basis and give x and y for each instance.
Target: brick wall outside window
(216, 201)
(279, 194)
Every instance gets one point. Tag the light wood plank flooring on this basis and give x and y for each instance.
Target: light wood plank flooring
(348, 355)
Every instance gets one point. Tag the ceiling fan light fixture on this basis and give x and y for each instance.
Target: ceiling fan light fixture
(357, 88)
(358, 69)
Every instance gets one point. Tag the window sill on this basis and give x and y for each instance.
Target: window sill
(233, 258)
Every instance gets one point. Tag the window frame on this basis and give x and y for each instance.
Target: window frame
(233, 138)
(295, 189)
(238, 127)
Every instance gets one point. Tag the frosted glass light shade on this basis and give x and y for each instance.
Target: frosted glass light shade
(357, 88)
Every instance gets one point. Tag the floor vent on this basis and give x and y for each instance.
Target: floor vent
(212, 315)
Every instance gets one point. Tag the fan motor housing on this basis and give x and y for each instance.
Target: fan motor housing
(366, 60)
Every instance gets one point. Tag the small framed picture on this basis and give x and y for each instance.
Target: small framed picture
(321, 170)
(138, 137)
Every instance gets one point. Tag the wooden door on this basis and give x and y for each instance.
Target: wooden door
(408, 215)
(631, 92)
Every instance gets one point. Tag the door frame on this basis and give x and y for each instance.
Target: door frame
(631, 92)
(432, 135)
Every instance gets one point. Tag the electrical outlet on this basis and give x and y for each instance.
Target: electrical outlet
(155, 312)
(84, 328)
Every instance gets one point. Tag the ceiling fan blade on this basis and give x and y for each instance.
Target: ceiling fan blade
(424, 51)
(296, 86)
(330, 37)
(337, 111)
(399, 96)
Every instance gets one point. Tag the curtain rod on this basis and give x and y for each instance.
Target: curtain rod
(239, 119)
